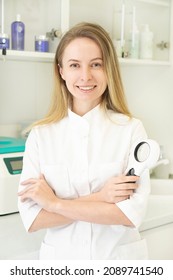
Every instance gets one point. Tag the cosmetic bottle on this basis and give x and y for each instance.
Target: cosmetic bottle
(146, 42)
(18, 34)
(134, 43)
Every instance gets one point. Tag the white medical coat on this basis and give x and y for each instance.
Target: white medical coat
(77, 155)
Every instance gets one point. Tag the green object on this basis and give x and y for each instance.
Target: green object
(11, 145)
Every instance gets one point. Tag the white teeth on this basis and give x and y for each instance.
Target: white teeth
(86, 88)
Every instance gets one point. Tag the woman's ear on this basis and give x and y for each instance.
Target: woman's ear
(61, 71)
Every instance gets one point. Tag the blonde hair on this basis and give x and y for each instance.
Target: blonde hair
(113, 98)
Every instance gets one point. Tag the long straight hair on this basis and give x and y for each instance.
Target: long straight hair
(113, 98)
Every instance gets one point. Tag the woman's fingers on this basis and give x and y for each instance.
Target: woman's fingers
(119, 188)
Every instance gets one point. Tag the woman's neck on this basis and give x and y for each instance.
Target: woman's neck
(82, 108)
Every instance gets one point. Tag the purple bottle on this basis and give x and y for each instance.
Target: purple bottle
(17, 34)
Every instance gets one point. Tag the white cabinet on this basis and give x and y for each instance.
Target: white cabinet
(43, 16)
(40, 17)
(159, 242)
(156, 14)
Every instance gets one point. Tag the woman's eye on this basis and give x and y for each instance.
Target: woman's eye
(74, 65)
(97, 65)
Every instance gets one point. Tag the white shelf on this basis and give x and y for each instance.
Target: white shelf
(49, 57)
(28, 56)
(129, 61)
(165, 3)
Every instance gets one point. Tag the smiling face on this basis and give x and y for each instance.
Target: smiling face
(83, 71)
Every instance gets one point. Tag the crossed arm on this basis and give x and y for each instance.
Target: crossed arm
(99, 207)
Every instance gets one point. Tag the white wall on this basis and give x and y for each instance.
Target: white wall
(25, 90)
(149, 92)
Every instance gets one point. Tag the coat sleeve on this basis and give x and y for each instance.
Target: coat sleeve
(31, 169)
(135, 207)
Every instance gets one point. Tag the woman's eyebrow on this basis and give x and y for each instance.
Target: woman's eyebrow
(77, 60)
(72, 59)
(97, 58)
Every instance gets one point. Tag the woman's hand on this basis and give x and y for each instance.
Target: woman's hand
(118, 188)
(39, 191)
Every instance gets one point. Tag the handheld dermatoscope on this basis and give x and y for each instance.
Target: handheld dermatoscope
(145, 155)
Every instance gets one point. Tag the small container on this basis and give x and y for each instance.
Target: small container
(41, 43)
(4, 41)
(118, 47)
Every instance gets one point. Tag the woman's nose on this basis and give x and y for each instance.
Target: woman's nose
(86, 74)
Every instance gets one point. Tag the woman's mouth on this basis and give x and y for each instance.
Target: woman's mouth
(86, 88)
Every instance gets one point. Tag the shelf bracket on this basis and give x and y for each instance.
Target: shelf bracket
(54, 34)
(163, 45)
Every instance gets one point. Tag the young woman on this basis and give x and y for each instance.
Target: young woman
(73, 181)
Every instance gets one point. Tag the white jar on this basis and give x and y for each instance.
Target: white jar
(146, 42)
